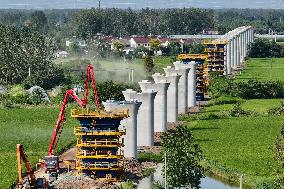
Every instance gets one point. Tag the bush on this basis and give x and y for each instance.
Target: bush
(18, 95)
(219, 85)
(277, 110)
(37, 95)
(109, 90)
(254, 89)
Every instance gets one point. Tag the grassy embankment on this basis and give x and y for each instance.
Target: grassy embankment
(242, 145)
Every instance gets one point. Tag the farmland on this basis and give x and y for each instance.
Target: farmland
(263, 69)
(31, 126)
(241, 145)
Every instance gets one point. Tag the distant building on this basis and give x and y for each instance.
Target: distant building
(62, 54)
(81, 43)
(132, 42)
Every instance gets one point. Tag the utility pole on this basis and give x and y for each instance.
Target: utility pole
(99, 4)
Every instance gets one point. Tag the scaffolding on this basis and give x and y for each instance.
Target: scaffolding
(201, 72)
(99, 144)
(215, 51)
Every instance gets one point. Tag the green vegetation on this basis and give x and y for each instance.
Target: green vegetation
(182, 155)
(32, 127)
(263, 69)
(262, 48)
(239, 145)
(147, 156)
(238, 136)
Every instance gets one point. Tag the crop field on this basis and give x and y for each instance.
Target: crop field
(234, 146)
(32, 127)
(239, 145)
(263, 69)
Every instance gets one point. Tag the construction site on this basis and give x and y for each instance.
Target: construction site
(109, 135)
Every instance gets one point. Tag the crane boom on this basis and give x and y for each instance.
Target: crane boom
(61, 118)
(22, 155)
(90, 76)
(51, 162)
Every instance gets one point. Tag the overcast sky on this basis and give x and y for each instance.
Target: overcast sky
(136, 4)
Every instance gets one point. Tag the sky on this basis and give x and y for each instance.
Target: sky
(137, 4)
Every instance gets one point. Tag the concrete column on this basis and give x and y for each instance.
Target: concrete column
(145, 117)
(228, 58)
(235, 51)
(145, 124)
(238, 51)
(252, 35)
(130, 123)
(242, 48)
(160, 102)
(246, 42)
(183, 70)
(192, 85)
(172, 95)
(232, 52)
(160, 106)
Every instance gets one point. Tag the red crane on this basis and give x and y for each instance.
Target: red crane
(51, 162)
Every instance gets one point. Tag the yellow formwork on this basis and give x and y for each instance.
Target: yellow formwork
(95, 144)
(75, 113)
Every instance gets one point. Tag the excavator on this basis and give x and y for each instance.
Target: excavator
(51, 161)
(31, 182)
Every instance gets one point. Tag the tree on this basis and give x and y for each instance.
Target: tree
(263, 48)
(183, 156)
(148, 64)
(119, 47)
(197, 49)
(155, 44)
(25, 49)
(39, 20)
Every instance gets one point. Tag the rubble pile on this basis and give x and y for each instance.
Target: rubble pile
(68, 181)
(134, 169)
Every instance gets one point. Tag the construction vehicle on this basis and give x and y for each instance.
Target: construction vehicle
(51, 162)
(31, 182)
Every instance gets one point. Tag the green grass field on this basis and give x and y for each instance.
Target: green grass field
(239, 145)
(263, 69)
(234, 146)
(33, 128)
(242, 145)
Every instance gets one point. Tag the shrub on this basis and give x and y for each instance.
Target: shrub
(219, 85)
(18, 95)
(277, 110)
(254, 89)
(37, 95)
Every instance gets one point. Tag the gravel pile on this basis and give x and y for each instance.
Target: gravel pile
(69, 181)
